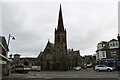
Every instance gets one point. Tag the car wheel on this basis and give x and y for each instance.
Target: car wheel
(98, 70)
(109, 70)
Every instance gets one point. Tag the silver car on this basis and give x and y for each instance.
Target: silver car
(78, 68)
(103, 68)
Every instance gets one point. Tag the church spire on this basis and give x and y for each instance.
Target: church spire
(60, 26)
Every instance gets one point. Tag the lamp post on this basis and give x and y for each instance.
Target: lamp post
(9, 38)
(11, 54)
(118, 52)
(119, 46)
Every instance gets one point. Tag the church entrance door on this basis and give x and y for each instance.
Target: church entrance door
(47, 65)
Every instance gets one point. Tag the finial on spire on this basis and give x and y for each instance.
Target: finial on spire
(60, 5)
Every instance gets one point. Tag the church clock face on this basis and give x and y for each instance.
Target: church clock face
(48, 56)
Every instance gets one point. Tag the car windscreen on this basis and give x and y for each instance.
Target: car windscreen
(101, 66)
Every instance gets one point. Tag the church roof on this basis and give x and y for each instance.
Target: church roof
(52, 45)
(60, 26)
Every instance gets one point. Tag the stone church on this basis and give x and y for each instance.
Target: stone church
(55, 56)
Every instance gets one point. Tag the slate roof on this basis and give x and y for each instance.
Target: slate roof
(49, 43)
(103, 42)
(74, 53)
(52, 45)
(41, 53)
(3, 43)
(28, 58)
(106, 44)
(113, 40)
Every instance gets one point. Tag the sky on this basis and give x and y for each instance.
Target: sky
(32, 23)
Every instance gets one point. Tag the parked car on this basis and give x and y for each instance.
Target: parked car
(103, 68)
(36, 68)
(20, 69)
(78, 68)
(89, 65)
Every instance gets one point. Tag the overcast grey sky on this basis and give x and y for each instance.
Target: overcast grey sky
(87, 22)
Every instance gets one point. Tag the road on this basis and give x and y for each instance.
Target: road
(84, 75)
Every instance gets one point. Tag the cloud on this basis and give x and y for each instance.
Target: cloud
(32, 24)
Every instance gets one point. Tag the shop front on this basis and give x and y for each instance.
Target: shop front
(109, 62)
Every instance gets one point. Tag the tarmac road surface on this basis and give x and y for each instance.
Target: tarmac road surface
(65, 75)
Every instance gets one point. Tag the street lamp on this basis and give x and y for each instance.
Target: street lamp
(8, 46)
(9, 39)
(118, 52)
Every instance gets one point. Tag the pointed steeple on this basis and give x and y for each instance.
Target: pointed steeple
(60, 26)
(48, 41)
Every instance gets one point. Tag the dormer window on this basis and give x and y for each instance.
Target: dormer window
(100, 46)
(110, 44)
(113, 44)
